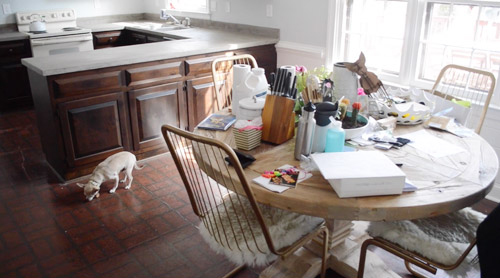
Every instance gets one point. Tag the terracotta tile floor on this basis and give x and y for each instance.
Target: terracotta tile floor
(48, 230)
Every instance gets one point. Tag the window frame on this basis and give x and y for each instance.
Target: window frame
(196, 14)
(410, 53)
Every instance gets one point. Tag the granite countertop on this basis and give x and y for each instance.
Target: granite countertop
(198, 41)
(12, 36)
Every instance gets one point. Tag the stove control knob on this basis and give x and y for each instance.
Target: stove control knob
(28, 17)
(54, 15)
(69, 14)
(63, 14)
(22, 18)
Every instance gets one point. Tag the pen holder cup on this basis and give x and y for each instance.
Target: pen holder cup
(278, 119)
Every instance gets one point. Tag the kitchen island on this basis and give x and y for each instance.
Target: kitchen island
(92, 104)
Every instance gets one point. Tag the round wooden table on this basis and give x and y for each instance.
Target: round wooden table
(445, 184)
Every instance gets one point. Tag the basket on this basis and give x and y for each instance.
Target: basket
(247, 139)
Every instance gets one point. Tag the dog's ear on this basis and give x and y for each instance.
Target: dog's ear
(80, 184)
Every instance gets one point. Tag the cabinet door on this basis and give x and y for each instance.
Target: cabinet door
(106, 39)
(14, 85)
(150, 108)
(94, 128)
(201, 100)
(135, 38)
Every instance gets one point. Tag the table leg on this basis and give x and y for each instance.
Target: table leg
(345, 242)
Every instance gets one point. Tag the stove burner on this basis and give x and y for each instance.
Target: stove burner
(71, 28)
(37, 32)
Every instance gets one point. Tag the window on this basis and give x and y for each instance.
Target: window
(194, 6)
(408, 42)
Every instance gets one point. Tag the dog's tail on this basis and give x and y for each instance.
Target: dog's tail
(138, 167)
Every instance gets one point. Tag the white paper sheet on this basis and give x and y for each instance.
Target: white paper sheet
(265, 182)
(430, 144)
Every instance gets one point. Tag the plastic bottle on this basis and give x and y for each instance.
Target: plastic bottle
(363, 99)
(305, 131)
(335, 137)
(254, 83)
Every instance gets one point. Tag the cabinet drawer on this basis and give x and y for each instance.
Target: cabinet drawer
(71, 86)
(17, 48)
(202, 66)
(106, 39)
(155, 73)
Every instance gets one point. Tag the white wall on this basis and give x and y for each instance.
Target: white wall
(83, 8)
(299, 21)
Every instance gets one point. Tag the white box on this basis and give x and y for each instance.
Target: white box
(362, 173)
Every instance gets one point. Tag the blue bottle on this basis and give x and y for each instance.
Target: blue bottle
(335, 137)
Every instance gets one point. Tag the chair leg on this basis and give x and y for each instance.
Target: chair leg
(412, 271)
(234, 271)
(393, 249)
(325, 252)
(362, 257)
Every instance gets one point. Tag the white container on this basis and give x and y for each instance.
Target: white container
(345, 81)
(255, 82)
(250, 108)
(319, 138)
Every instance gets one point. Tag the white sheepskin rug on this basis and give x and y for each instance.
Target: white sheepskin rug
(442, 239)
(285, 228)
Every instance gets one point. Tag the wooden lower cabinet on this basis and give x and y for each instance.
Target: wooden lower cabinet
(86, 116)
(201, 100)
(150, 108)
(15, 88)
(94, 128)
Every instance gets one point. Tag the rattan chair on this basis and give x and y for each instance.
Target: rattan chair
(472, 85)
(232, 222)
(453, 235)
(222, 73)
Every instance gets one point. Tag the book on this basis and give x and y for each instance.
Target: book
(362, 173)
(280, 187)
(217, 122)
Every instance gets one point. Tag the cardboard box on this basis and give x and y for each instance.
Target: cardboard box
(361, 173)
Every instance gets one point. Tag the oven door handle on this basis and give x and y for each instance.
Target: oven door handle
(65, 39)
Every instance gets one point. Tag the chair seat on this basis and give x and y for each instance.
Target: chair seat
(442, 239)
(250, 248)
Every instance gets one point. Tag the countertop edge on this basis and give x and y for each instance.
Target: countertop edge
(142, 59)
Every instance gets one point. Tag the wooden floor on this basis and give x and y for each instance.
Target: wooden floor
(48, 230)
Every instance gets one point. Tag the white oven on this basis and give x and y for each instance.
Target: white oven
(61, 44)
(60, 36)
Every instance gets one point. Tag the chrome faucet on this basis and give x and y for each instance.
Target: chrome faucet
(166, 16)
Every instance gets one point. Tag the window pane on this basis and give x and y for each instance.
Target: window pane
(376, 27)
(188, 5)
(433, 59)
(463, 34)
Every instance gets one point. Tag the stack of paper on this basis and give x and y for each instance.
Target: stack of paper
(362, 173)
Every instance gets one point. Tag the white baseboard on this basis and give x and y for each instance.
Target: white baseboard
(291, 53)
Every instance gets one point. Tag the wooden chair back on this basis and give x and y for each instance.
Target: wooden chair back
(195, 156)
(222, 73)
(472, 85)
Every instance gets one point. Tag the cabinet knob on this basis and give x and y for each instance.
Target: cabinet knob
(11, 50)
(110, 39)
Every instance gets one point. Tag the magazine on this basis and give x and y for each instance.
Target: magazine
(217, 122)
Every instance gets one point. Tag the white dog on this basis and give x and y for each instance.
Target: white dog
(110, 168)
